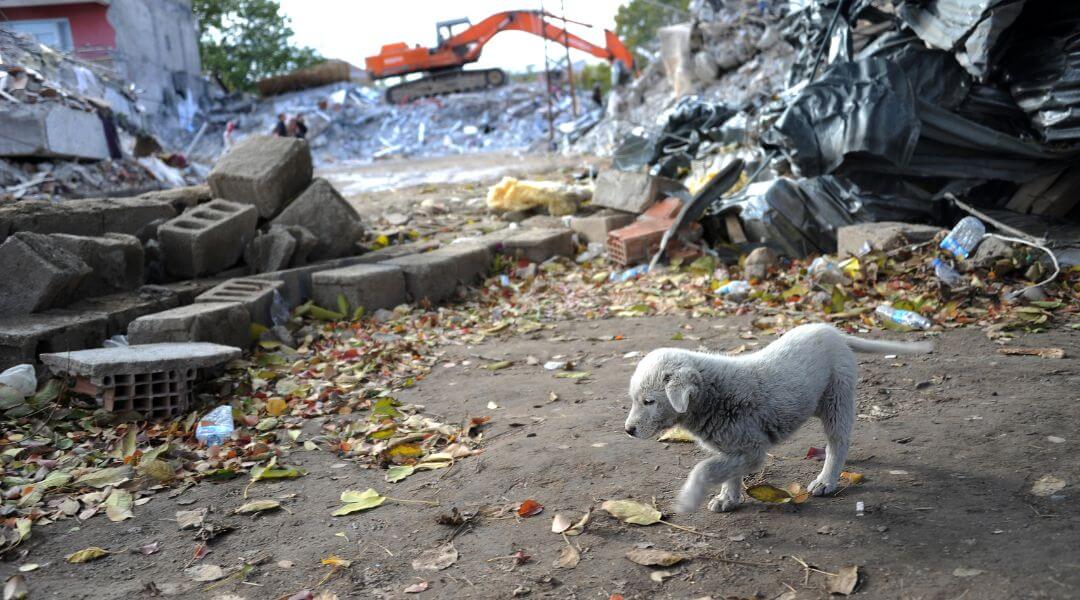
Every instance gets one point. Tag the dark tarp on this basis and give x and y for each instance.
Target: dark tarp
(970, 29)
(687, 125)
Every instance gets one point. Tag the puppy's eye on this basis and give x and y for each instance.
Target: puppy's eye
(647, 401)
(667, 377)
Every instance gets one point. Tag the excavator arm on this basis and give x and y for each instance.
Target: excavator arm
(444, 62)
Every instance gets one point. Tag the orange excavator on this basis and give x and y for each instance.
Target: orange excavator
(443, 63)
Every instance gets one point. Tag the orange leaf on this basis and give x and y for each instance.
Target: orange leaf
(275, 407)
(529, 508)
(852, 478)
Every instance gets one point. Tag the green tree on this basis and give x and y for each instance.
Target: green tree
(242, 41)
(593, 74)
(636, 22)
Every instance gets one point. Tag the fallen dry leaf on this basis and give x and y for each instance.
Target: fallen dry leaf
(799, 494)
(15, 588)
(1047, 485)
(336, 562)
(844, 581)
(357, 501)
(257, 506)
(654, 557)
(86, 555)
(1055, 353)
(560, 523)
(568, 558)
(629, 511)
(852, 478)
(529, 508)
(190, 519)
(275, 407)
(962, 572)
(767, 493)
(579, 527)
(436, 559)
(118, 506)
(416, 588)
(660, 576)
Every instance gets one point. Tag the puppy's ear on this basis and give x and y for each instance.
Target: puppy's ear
(681, 387)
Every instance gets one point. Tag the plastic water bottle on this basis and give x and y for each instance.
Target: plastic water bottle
(629, 274)
(216, 426)
(903, 317)
(947, 274)
(963, 238)
(736, 291)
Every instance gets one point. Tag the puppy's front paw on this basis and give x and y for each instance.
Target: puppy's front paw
(722, 503)
(688, 501)
(821, 487)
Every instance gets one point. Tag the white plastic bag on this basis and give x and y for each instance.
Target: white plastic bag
(21, 378)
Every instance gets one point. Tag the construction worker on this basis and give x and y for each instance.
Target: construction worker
(301, 126)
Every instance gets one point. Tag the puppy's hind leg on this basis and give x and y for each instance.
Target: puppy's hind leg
(729, 497)
(710, 472)
(837, 418)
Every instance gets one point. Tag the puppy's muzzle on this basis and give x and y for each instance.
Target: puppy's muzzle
(631, 430)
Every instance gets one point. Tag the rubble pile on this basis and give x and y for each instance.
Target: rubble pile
(353, 123)
(73, 129)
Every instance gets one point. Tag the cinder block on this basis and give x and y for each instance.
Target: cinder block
(270, 251)
(37, 274)
(119, 310)
(156, 380)
(51, 130)
(23, 338)
(116, 260)
(263, 171)
(435, 275)
(182, 198)
(82, 217)
(257, 295)
(595, 228)
(208, 239)
(227, 323)
(323, 211)
(370, 286)
(538, 245)
(626, 191)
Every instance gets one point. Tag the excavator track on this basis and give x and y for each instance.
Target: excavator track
(450, 82)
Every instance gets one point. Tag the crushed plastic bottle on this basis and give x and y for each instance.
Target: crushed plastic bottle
(216, 426)
(903, 317)
(823, 270)
(736, 291)
(629, 274)
(947, 274)
(964, 238)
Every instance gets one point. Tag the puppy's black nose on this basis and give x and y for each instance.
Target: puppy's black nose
(630, 429)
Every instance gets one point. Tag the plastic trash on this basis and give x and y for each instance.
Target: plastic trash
(630, 273)
(860, 508)
(903, 317)
(964, 238)
(216, 426)
(736, 291)
(20, 378)
(823, 270)
(594, 250)
(116, 341)
(947, 274)
(279, 311)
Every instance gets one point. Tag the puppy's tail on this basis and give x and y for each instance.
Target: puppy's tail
(887, 347)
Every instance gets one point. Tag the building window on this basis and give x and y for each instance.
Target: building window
(55, 33)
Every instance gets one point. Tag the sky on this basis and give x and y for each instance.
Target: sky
(353, 29)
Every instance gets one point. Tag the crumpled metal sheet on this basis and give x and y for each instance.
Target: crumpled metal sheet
(970, 29)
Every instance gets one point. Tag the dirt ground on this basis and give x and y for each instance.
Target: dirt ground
(949, 444)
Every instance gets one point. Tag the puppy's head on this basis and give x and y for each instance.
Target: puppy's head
(662, 387)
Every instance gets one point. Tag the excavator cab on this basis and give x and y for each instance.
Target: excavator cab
(444, 30)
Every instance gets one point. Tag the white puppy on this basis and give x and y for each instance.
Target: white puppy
(739, 406)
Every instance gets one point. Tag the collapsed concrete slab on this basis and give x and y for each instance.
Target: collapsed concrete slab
(627, 191)
(257, 295)
(120, 309)
(323, 211)
(435, 275)
(594, 229)
(23, 338)
(226, 323)
(885, 235)
(538, 245)
(92, 217)
(155, 380)
(208, 239)
(115, 260)
(266, 172)
(370, 286)
(37, 274)
(51, 130)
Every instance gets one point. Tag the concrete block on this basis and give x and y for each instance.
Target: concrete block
(227, 323)
(207, 240)
(51, 130)
(625, 191)
(886, 235)
(91, 217)
(323, 211)
(145, 358)
(119, 310)
(538, 245)
(181, 198)
(23, 338)
(263, 171)
(116, 260)
(595, 228)
(270, 251)
(186, 291)
(37, 274)
(298, 285)
(543, 222)
(257, 295)
(371, 286)
(435, 275)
